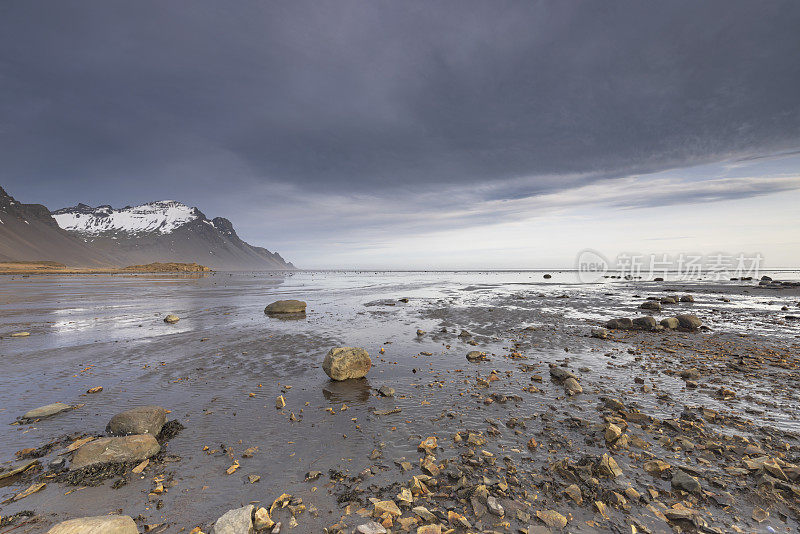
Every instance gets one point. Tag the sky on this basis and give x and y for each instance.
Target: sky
(418, 134)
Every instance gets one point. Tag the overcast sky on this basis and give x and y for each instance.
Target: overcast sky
(423, 134)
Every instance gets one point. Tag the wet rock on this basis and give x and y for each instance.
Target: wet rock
(559, 374)
(614, 404)
(386, 391)
(573, 491)
(104, 524)
(670, 323)
(682, 480)
(286, 306)
(119, 449)
(572, 387)
(494, 506)
(262, 520)
(551, 518)
(475, 356)
(687, 298)
(690, 374)
(547, 276)
(140, 420)
(386, 507)
(47, 410)
(620, 324)
(237, 521)
(370, 528)
(599, 333)
(171, 318)
(690, 322)
(423, 513)
(647, 322)
(342, 363)
(651, 305)
(428, 444)
(612, 433)
(608, 467)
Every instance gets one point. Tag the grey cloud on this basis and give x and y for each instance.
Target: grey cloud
(130, 101)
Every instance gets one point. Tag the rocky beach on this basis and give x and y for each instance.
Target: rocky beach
(415, 402)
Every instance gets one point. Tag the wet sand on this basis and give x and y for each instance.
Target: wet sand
(220, 369)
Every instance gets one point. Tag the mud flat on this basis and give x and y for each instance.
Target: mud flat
(668, 430)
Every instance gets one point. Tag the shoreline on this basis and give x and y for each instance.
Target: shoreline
(50, 268)
(506, 426)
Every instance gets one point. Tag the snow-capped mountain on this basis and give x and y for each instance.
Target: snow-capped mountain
(164, 231)
(163, 216)
(29, 233)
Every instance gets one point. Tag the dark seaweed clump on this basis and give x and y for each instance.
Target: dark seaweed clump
(169, 431)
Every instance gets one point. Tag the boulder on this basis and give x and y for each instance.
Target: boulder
(171, 318)
(670, 323)
(47, 411)
(647, 322)
(689, 322)
(669, 300)
(141, 420)
(619, 324)
(103, 524)
(286, 306)
(687, 298)
(237, 521)
(342, 363)
(123, 449)
(650, 305)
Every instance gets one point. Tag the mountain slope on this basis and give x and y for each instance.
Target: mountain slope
(165, 231)
(29, 233)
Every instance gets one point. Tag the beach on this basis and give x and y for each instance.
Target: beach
(701, 425)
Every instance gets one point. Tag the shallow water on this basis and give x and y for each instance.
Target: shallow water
(105, 330)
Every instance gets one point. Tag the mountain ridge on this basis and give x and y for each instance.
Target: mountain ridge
(158, 231)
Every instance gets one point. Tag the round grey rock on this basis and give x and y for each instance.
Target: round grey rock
(47, 410)
(237, 521)
(103, 524)
(286, 306)
(116, 450)
(343, 363)
(140, 420)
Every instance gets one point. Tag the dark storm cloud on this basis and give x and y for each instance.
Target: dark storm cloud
(131, 101)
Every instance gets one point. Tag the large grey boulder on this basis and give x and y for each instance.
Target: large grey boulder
(670, 323)
(141, 420)
(47, 410)
(237, 521)
(286, 306)
(342, 363)
(619, 324)
(689, 322)
(103, 524)
(124, 449)
(645, 323)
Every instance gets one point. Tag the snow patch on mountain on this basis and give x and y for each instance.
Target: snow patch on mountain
(163, 217)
